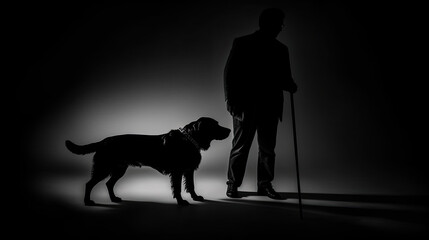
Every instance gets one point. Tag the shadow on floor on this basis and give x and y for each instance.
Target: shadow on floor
(362, 198)
(387, 216)
(411, 209)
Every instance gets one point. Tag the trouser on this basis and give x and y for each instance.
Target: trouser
(244, 132)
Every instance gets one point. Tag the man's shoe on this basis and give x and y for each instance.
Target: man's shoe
(232, 192)
(269, 192)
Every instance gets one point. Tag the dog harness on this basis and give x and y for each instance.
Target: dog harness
(189, 137)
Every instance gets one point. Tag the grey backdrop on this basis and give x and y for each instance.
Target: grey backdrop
(97, 70)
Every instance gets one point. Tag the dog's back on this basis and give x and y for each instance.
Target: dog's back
(165, 153)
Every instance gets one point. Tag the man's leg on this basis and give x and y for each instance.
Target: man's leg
(267, 134)
(244, 132)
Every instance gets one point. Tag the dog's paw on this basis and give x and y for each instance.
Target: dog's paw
(198, 198)
(182, 202)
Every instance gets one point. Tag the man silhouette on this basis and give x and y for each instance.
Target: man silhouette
(256, 74)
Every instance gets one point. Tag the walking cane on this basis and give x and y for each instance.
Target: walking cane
(296, 153)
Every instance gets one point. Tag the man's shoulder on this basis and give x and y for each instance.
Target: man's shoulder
(245, 38)
(254, 38)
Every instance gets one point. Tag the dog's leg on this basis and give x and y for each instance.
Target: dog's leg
(190, 187)
(176, 186)
(98, 174)
(116, 174)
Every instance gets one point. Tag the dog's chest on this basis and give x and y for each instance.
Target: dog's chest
(185, 158)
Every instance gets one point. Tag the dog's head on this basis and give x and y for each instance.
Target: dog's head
(204, 130)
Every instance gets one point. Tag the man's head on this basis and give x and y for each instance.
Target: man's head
(271, 21)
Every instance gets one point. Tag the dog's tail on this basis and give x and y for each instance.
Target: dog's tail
(84, 149)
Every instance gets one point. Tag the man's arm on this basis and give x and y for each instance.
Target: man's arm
(288, 84)
(232, 80)
(230, 73)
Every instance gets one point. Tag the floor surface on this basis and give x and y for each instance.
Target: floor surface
(54, 208)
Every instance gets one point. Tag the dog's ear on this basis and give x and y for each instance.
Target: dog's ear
(197, 126)
(205, 124)
(193, 126)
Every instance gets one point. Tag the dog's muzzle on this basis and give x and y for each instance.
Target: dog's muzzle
(223, 133)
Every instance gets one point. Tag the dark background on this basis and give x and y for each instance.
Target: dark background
(88, 71)
(94, 70)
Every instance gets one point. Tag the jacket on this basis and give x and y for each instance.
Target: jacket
(256, 74)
